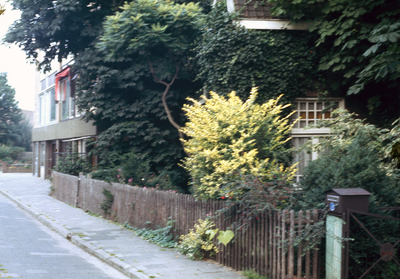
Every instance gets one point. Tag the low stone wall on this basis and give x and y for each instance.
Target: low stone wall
(15, 168)
(65, 188)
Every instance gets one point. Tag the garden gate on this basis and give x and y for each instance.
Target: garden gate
(386, 252)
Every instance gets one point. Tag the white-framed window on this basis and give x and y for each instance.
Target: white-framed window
(67, 99)
(309, 110)
(47, 100)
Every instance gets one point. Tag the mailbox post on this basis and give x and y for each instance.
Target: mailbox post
(339, 203)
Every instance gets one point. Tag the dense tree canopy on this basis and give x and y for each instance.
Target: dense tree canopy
(157, 33)
(58, 28)
(13, 130)
(136, 79)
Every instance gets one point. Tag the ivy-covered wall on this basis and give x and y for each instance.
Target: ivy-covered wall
(231, 57)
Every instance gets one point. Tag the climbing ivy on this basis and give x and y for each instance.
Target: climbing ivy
(233, 58)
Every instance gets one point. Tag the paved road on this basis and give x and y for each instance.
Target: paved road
(30, 250)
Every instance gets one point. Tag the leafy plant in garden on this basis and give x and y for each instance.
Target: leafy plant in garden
(197, 242)
(73, 163)
(356, 155)
(250, 195)
(228, 137)
(162, 237)
(106, 204)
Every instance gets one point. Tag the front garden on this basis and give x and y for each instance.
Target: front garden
(242, 171)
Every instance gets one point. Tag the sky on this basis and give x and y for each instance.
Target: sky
(21, 74)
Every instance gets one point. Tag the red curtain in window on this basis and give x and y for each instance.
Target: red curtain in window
(64, 73)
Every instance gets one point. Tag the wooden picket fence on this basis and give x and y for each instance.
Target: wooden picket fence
(259, 247)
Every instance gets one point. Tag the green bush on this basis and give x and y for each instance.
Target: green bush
(73, 164)
(134, 169)
(357, 155)
(197, 242)
(10, 153)
(162, 237)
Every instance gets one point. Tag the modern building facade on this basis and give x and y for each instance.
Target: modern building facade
(58, 125)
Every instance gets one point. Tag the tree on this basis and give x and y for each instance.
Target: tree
(23, 134)
(10, 114)
(229, 138)
(359, 40)
(58, 28)
(157, 33)
(118, 90)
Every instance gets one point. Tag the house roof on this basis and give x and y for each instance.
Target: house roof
(255, 9)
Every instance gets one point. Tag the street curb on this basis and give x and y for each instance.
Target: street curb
(122, 267)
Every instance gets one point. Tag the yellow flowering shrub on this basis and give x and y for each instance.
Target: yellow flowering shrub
(197, 241)
(228, 136)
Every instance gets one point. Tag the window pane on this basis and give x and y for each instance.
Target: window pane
(303, 124)
(302, 106)
(319, 115)
(336, 105)
(327, 115)
(52, 105)
(319, 106)
(311, 106)
(303, 115)
(51, 80)
(64, 85)
(311, 115)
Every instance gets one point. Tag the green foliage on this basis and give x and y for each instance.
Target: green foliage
(223, 237)
(135, 169)
(153, 29)
(197, 242)
(359, 41)
(233, 58)
(10, 153)
(384, 53)
(252, 274)
(357, 155)
(73, 163)
(228, 137)
(106, 204)
(254, 195)
(162, 237)
(131, 108)
(58, 28)
(11, 131)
